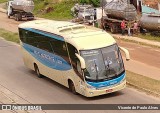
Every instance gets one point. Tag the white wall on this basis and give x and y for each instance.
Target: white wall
(159, 6)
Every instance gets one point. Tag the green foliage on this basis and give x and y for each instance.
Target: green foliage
(2, 1)
(149, 36)
(95, 3)
(10, 36)
(143, 82)
(61, 10)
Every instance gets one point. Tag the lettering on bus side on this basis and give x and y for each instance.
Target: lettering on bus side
(48, 57)
(42, 55)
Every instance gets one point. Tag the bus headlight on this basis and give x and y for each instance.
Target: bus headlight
(91, 87)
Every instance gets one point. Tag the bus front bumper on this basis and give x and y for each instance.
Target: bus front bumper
(97, 92)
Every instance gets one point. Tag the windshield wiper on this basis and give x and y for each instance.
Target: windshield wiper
(106, 68)
(108, 65)
(96, 70)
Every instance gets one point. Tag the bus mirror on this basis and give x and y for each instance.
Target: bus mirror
(83, 66)
(126, 53)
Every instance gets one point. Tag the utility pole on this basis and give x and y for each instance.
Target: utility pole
(102, 15)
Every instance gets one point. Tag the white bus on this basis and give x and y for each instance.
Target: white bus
(87, 60)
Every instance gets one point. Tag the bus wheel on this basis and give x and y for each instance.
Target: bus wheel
(37, 71)
(72, 87)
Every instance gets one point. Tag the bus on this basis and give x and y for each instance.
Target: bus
(85, 59)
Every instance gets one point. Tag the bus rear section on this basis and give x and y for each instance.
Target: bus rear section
(86, 60)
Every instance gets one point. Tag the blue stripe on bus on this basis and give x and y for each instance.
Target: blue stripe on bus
(107, 83)
(45, 34)
(48, 59)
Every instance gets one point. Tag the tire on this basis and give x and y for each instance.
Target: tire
(113, 30)
(37, 71)
(72, 87)
(19, 17)
(8, 15)
(16, 17)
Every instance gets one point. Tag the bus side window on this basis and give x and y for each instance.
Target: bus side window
(45, 46)
(60, 48)
(79, 67)
(22, 35)
(74, 60)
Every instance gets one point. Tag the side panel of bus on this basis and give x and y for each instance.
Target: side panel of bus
(53, 61)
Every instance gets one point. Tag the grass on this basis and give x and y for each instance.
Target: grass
(136, 42)
(10, 36)
(61, 10)
(2, 1)
(148, 36)
(144, 82)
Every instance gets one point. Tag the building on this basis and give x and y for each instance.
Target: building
(137, 4)
(152, 3)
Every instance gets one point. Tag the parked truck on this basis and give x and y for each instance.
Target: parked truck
(150, 22)
(115, 12)
(20, 9)
(84, 13)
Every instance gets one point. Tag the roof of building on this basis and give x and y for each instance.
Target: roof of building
(81, 36)
(146, 9)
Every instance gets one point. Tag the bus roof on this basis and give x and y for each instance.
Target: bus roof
(80, 36)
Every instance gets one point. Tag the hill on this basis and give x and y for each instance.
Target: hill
(54, 9)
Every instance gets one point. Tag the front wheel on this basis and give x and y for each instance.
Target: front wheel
(72, 87)
(16, 17)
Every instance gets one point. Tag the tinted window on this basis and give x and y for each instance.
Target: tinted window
(59, 47)
(22, 35)
(72, 50)
(74, 60)
(45, 46)
(31, 38)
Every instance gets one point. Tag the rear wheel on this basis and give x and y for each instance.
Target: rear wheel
(72, 87)
(37, 71)
(113, 30)
(18, 17)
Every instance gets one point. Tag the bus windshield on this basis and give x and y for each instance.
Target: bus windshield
(103, 63)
